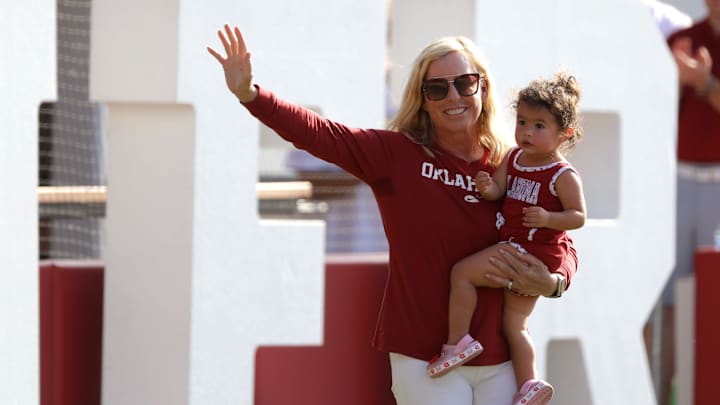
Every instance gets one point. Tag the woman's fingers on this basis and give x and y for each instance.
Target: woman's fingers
(495, 281)
(505, 267)
(216, 55)
(242, 49)
(524, 270)
(233, 43)
(512, 261)
(526, 262)
(225, 42)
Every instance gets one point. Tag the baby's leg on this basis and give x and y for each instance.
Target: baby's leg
(515, 325)
(467, 274)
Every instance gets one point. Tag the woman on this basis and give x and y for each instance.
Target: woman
(422, 174)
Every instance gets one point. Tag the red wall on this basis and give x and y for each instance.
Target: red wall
(707, 326)
(344, 370)
(71, 312)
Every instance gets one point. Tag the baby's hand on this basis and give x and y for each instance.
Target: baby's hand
(535, 217)
(483, 182)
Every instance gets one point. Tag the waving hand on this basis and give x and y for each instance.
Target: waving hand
(237, 66)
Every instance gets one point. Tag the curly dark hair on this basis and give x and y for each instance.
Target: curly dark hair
(561, 96)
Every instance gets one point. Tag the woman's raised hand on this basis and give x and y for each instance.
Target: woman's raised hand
(237, 66)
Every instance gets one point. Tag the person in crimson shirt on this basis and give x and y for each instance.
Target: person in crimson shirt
(696, 51)
(421, 172)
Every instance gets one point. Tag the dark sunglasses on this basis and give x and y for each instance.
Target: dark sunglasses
(437, 89)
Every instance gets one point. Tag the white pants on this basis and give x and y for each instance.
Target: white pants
(467, 385)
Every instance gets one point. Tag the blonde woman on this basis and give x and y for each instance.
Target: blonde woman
(422, 174)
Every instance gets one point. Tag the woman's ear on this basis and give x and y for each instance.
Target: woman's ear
(568, 133)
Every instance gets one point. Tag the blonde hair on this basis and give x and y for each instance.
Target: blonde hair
(412, 120)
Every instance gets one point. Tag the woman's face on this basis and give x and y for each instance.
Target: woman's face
(454, 113)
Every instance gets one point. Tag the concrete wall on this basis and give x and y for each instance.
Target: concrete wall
(27, 78)
(194, 280)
